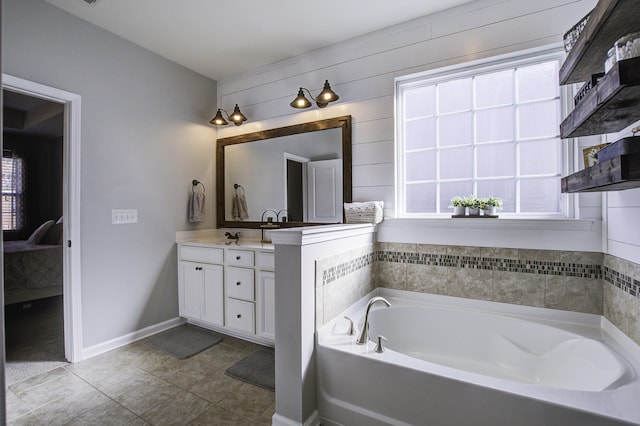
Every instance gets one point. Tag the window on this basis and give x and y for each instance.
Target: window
(488, 130)
(12, 192)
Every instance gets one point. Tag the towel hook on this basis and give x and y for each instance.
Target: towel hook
(236, 186)
(196, 182)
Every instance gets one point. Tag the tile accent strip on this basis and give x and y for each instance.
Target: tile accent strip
(623, 282)
(346, 268)
(566, 269)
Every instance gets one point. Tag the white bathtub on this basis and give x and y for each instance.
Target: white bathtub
(452, 361)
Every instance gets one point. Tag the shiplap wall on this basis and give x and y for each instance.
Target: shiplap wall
(362, 72)
(622, 214)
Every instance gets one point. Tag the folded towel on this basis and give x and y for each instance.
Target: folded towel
(196, 207)
(239, 207)
(365, 212)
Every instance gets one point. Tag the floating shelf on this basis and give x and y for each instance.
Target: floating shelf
(610, 106)
(609, 20)
(616, 174)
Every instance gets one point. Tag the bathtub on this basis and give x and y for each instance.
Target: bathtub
(453, 361)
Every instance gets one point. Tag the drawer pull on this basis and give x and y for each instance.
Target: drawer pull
(238, 283)
(238, 316)
(238, 257)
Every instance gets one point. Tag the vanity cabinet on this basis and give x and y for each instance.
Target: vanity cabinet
(229, 290)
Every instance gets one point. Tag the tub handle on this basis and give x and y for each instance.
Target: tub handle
(351, 330)
(379, 349)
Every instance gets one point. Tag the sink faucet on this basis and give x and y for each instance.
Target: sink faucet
(363, 338)
(231, 236)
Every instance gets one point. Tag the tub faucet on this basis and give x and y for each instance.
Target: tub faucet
(363, 338)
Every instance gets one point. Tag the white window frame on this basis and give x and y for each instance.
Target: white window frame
(569, 151)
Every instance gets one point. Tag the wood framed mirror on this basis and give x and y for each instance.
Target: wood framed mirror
(271, 168)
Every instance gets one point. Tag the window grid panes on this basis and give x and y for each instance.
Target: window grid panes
(12, 193)
(490, 131)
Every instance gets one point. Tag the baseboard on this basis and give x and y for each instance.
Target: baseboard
(279, 420)
(121, 341)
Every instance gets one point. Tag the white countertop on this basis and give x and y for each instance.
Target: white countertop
(223, 242)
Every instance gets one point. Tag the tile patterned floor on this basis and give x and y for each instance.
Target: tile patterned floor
(139, 385)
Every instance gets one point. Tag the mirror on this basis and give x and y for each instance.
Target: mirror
(299, 174)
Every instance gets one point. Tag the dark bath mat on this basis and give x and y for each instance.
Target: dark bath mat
(184, 340)
(257, 368)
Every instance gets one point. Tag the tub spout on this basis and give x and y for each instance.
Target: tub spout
(363, 338)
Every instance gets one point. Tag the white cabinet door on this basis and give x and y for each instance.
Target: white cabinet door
(213, 294)
(266, 305)
(190, 295)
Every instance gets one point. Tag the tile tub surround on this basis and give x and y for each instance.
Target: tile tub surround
(542, 278)
(622, 295)
(567, 280)
(341, 280)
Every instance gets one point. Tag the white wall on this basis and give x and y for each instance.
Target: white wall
(145, 136)
(622, 212)
(362, 72)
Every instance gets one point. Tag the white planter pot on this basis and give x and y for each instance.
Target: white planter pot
(474, 211)
(490, 211)
(458, 210)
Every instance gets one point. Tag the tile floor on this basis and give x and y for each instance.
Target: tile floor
(139, 385)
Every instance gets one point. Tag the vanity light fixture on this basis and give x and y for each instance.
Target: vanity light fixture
(322, 100)
(236, 117)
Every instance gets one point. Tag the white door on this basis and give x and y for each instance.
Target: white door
(324, 189)
(213, 297)
(191, 291)
(266, 305)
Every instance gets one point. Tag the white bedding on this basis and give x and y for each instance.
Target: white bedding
(31, 271)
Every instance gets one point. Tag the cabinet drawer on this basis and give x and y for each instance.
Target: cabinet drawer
(240, 257)
(239, 283)
(240, 315)
(266, 261)
(201, 254)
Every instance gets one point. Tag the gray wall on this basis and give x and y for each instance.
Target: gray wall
(145, 136)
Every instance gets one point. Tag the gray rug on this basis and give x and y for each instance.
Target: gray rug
(257, 368)
(184, 340)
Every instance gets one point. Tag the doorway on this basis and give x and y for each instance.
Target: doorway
(70, 182)
(32, 224)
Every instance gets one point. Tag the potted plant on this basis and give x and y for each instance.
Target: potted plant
(473, 203)
(491, 204)
(459, 205)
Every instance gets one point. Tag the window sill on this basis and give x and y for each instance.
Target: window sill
(504, 223)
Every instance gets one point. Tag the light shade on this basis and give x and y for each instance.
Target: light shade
(218, 120)
(300, 101)
(327, 95)
(237, 117)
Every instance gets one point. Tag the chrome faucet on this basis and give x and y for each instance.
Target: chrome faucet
(363, 338)
(231, 236)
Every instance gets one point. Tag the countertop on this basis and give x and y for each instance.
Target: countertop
(223, 242)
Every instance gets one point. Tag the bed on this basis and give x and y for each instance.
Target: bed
(32, 268)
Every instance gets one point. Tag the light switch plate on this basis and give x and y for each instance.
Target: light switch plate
(122, 216)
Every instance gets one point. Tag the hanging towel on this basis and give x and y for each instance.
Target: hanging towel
(196, 207)
(239, 207)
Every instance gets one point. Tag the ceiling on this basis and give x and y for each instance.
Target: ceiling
(28, 115)
(220, 39)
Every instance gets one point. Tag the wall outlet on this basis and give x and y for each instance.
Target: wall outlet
(122, 216)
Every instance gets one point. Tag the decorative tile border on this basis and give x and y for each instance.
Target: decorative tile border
(623, 282)
(346, 268)
(567, 269)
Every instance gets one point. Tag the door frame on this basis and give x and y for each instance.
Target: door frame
(71, 284)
